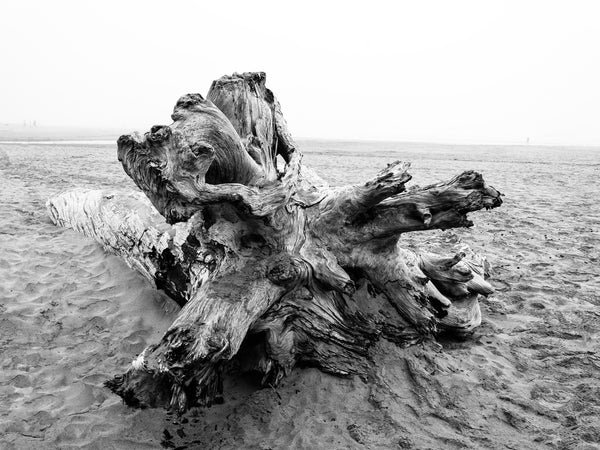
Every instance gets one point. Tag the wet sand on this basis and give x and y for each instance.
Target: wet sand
(72, 316)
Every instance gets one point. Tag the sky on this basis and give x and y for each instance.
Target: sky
(434, 71)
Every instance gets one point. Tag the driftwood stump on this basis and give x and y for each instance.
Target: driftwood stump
(271, 266)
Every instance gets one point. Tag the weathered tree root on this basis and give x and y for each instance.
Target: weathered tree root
(272, 268)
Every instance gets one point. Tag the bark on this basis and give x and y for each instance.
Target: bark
(273, 268)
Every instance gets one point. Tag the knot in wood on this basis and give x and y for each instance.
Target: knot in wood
(286, 270)
(158, 134)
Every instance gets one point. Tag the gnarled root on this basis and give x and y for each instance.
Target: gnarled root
(273, 268)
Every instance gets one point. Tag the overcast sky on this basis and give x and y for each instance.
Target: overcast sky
(443, 71)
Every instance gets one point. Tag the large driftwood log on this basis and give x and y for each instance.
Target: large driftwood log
(272, 267)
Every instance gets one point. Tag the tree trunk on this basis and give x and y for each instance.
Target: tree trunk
(277, 264)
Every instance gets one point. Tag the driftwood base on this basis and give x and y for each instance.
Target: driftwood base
(272, 269)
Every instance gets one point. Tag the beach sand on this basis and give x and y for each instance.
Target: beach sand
(529, 377)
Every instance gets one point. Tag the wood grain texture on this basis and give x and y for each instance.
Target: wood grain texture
(272, 267)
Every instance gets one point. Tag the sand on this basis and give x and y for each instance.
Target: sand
(72, 316)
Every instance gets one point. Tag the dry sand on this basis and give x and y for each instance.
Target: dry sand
(72, 316)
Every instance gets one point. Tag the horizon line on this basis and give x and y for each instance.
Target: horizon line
(434, 141)
(98, 141)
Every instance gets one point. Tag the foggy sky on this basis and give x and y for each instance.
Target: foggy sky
(444, 71)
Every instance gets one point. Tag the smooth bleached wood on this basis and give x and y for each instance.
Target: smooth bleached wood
(127, 225)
